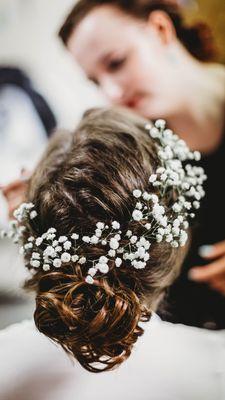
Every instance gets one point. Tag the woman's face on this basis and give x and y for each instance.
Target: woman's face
(129, 60)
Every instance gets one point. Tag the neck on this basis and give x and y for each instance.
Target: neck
(201, 120)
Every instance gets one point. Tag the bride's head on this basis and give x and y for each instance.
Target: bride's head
(94, 183)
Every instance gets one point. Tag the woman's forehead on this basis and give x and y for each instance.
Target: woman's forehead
(104, 29)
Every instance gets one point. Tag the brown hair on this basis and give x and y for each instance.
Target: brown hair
(197, 38)
(85, 177)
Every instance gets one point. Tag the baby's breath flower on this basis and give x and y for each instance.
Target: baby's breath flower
(62, 239)
(146, 196)
(175, 231)
(154, 132)
(118, 262)
(146, 257)
(67, 245)
(86, 239)
(94, 239)
(89, 280)
(196, 204)
(137, 193)
(139, 205)
(92, 271)
(138, 264)
(133, 239)
(169, 238)
(100, 225)
(49, 251)
(137, 215)
(28, 246)
(117, 237)
(103, 260)
(33, 214)
(98, 233)
(58, 249)
(57, 263)
(65, 257)
(160, 123)
(104, 268)
(148, 226)
(129, 233)
(152, 178)
(50, 236)
(52, 230)
(177, 207)
(38, 241)
(35, 263)
(115, 225)
(111, 253)
(113, 244)
(154, 198)
(46, 267)
(36, 256)
(82, 260)
(159, 238)
(75, 236)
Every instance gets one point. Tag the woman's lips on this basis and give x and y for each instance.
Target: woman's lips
(133, 102)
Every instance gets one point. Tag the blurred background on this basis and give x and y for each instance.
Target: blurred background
(41, 88)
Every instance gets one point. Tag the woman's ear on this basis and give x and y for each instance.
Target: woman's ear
(161, 22)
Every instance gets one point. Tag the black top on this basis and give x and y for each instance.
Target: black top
(193, 303)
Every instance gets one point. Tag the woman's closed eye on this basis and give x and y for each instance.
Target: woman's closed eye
(114, 65)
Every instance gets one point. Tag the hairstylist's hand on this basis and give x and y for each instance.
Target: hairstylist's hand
(213, 273)
(14, 192)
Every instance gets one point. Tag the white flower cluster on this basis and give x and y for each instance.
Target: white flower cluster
(159, 222)
(25, 210)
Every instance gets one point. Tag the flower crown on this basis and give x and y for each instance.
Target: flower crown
(159, 223)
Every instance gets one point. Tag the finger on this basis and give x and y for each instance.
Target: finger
(15, 203)
(12, 186)
(208, 272)
(212, 251)
(219, 286)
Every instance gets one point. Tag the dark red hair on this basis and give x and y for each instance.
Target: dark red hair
(196, 38)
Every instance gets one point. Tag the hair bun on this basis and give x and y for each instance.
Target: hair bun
(96, 324)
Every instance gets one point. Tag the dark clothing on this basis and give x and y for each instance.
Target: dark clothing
(193, 303)
(15, 77)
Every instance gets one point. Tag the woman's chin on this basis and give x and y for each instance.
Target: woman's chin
(150, 109)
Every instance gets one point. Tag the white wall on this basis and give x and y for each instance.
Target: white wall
(28, 38)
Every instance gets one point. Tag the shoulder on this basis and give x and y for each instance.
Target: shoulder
(23, 340)
(185, 341)
(28, 358)
(19, 335)
(169, 361)
(181, 361)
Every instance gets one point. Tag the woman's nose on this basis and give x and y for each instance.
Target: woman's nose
(112, 90)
